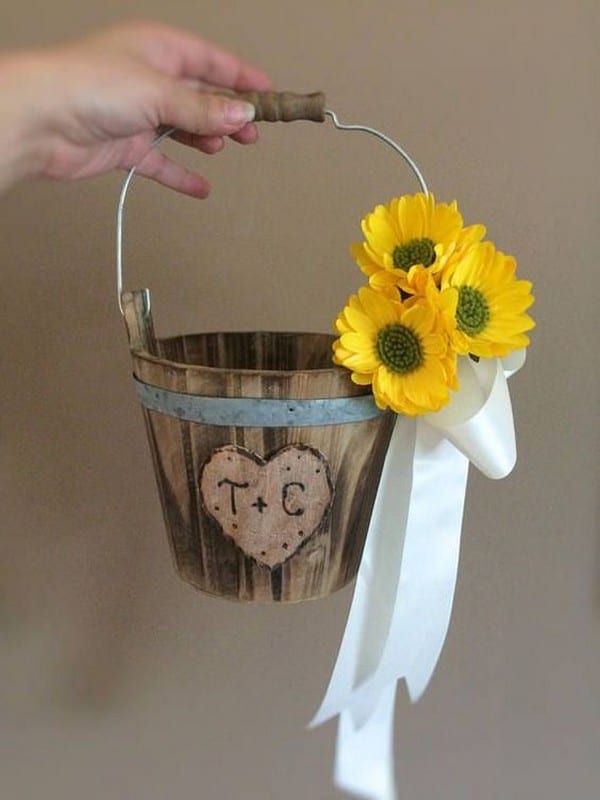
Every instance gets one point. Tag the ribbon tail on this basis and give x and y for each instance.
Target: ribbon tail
(434, 577)
(364, 763)
(375, 593)
(486, 438)
(428, 572)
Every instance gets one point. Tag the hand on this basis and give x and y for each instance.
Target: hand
(90, 106)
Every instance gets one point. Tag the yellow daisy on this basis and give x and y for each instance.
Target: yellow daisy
(342, 326)
(401, 350)
(410, 230)
(491, 302)
(410, 286)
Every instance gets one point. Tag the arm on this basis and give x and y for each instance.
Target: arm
(94, 105)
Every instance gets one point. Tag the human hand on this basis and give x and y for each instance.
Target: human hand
(93, 105)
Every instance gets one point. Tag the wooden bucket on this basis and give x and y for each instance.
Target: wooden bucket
(267, 457)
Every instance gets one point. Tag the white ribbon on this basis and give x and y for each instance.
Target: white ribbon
(402, 602)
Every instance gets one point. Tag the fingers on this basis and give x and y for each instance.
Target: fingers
(214, 144)
(182, 54)
(201, 114)
(162, 169)
(224, 69)
(211, 63)
(247, 135)
(206, 144)
(158, 167)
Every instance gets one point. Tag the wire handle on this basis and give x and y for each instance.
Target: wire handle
(270, 107)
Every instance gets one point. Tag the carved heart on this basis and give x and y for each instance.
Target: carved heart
(268, 507)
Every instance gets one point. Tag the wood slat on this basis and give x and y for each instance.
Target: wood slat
(261, 364)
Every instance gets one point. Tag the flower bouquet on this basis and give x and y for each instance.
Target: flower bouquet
(435, 291)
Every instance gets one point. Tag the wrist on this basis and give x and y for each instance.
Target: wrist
(21, 155)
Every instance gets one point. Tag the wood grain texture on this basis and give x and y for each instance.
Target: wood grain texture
(260, 364)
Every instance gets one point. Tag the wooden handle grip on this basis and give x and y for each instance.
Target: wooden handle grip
(286, 106)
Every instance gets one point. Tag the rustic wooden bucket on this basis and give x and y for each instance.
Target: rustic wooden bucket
(268, 497)
(267, 456)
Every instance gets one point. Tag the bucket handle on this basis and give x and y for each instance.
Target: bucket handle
(269, 107)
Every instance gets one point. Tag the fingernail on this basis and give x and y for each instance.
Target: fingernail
(239, 112)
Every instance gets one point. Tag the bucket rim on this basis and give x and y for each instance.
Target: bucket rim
(334, 369)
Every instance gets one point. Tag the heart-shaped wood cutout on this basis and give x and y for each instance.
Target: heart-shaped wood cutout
(268, 507)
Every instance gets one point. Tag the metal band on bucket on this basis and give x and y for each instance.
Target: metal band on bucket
(257, 412)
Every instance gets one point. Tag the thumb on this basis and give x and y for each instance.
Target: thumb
(202, 113)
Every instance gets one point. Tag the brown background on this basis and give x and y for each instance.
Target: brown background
(119, 681)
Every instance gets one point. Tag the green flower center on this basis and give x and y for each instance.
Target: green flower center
(399, 348)
(415, 251)
(472, 311)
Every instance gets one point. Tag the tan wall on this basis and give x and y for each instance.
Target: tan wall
(119, 681)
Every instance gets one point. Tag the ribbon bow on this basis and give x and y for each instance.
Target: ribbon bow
(402, 602)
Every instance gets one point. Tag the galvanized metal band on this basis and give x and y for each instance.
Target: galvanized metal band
(257, 412)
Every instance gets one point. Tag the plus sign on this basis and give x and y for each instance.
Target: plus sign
(260, 504)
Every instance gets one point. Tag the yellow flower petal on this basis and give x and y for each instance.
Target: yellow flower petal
(359, 321)
(408, 219)
(487, 278)
(357, 341)
(379, 307)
